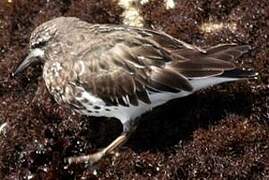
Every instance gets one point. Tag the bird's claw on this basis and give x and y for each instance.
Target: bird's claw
(87, 159)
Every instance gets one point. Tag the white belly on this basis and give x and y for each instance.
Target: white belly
(125, 114)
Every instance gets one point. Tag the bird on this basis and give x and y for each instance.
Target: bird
(118, 71)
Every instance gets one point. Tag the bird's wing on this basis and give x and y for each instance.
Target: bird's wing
(122, 67)
(124, 64)
(193, 62)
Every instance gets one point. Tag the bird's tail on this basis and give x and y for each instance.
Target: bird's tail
(217, 61)
(240, 74)
(230, 52)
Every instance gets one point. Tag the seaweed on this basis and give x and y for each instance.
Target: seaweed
(221, 132)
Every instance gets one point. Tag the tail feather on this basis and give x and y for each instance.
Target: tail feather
(218, 61)
(239, 73)
(228, 52)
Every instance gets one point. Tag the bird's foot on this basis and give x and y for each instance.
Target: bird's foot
(94, 158)
(90, 159)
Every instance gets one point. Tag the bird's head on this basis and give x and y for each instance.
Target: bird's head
(40, 40)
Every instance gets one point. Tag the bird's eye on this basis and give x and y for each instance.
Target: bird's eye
(38, 44)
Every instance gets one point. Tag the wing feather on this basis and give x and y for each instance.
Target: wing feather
(128, 63)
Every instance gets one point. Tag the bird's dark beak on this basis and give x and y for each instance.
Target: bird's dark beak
(33, 57)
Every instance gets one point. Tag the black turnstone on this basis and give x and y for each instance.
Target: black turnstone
(123, 72)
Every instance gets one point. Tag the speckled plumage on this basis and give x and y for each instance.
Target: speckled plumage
(123, 72)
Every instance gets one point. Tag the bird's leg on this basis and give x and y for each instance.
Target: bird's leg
(93, 158)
